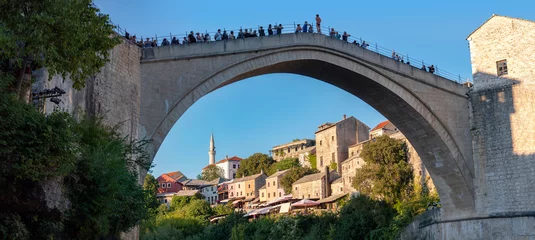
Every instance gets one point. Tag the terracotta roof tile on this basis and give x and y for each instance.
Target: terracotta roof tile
(381, 125)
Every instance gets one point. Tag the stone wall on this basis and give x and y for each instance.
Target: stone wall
(291, 150)
(430, 226)
(502, 113)
(312, 189)
(113, 93)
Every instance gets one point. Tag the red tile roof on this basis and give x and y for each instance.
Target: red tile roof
(235, 158)
(381, 125)
(173, 176)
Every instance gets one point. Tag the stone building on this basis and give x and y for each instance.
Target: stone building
(337, 187)
(262, 192)
(333, 140)
(503, 108)
(171, 182)
(350, 166)
(354, 162)
(291, 150)
(314, 186)
(247, 187)
(273, 186)
(252, 184)
(385, 127)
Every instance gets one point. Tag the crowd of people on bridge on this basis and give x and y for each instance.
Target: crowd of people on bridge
(261, 32)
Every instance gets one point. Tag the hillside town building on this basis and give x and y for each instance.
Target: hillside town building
(333, 140)
(273, 187)
(210, 190)
(170, 182)
(314, 186)
(292, 149)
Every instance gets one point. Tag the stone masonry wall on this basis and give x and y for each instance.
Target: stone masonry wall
(503, 109)
(114, 92)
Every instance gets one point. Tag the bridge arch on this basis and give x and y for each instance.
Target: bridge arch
(430, 111)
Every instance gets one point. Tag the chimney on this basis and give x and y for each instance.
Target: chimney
(261, 171)
(327, 182)
(344, 117)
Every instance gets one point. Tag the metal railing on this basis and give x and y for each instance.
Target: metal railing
(291, 29)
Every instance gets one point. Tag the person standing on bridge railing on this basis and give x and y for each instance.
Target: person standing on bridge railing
(346, 36)
(225, 35)
(431, 69)
(261, 31)
(191, 38)
(270, 30)
(332, 33)
(279, 29)
(165, 42)
(305, 27)
(218, 36)
(318, 23)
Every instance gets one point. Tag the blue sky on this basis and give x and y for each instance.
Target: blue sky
(255, 114)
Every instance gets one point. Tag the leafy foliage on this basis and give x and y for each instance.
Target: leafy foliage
(387, 173)
(83, 163)
(223, 209)
(67, 37)
(254, 164)
(293, 175)
(178, 202)
(212, 172)
(283, 165)
(313, 162)
(150, 188)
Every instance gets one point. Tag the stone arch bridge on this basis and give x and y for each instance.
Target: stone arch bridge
(431, 111)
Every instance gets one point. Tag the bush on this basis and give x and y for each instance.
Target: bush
(88, 164)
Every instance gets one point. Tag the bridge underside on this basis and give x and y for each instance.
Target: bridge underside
(430, 111)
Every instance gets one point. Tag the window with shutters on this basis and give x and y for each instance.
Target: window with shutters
(501, 66)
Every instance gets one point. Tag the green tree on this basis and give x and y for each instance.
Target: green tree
(178, 202)
(284, 164)
(360, 217)
(150, 188)
(198, 208)
(254, 164)
(67, 37)
(103, 189)
(293, 175)
(223, 209)
(212, 172)
(387, 173)
(312, 159)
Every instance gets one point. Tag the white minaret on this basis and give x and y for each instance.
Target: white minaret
(211, 152)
